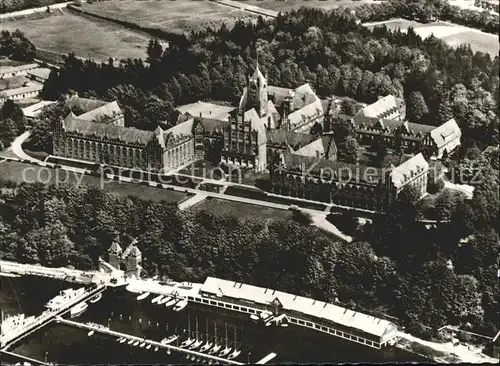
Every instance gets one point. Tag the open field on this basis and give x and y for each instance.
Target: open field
(21, 172)
(12, 83)
(289, 5)
(170, 16)
(454, 35)
(86, 38)
(241, 209)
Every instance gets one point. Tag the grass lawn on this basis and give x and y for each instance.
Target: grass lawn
(257, 194)
(20, 172)
(86, 38)
(452, 34)
(171, 16)
(241, 209)
(4, 61)
(12, 83)
(289, 5)
(479, 41)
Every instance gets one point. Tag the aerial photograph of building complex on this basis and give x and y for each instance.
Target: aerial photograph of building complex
(249, 182)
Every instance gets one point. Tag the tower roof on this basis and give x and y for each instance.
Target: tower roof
(115, 248)
(134, 251)
(257, 75)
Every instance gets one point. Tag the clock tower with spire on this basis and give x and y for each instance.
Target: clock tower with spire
(257, 92)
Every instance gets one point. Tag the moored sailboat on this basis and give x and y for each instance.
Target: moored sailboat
(170, 339)
(165, 300)
(226, 350)
(216, 348)
(96, 298)
(171, 301)
(143, 296)
(207, 344)
(181, 305)
(156, 299)
(188, 341)
(236, 352)
(198, 341)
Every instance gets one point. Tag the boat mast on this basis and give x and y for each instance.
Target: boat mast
(207, 330)
(226, 335)
(196, 329)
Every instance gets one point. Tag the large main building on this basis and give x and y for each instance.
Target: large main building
(268, 131)
(99, 135)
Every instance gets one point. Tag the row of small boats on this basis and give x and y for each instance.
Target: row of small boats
(211, 348)
(269, 319)
(143, 343)
(178, 304)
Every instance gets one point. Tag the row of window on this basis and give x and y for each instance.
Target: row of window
(293, 320)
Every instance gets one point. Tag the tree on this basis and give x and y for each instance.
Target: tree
(351, 149)
(416, 109)
(154, 51)
(348, 107)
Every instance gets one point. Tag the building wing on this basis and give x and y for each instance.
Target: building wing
(309, 307)
(445, 133)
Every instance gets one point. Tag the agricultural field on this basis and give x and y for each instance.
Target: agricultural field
(454, 35)
(170, 16)
(288, 5)
(246, 210)
(86, 38)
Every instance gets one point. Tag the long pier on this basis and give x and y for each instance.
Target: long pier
(24, 358)
(17, 334)
(63, 274)
(153, 343)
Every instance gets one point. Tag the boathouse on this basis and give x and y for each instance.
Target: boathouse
(318, 315)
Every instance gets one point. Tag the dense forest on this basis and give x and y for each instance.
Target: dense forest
(7, 6)
(12, 123)
(327, 49)
(398, 265)
(433, 275)
(16, 46)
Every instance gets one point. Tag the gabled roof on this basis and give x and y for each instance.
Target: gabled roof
(134, 251)
(294, 139)
(390, 125)
(101, 130)
(306, 113)
(257, 75)
(115, 248)
(85, 104)
(40, 72)
(347, 172)
(381, 106)
(408, 170)
(315, 308)
(208, 110)
(445, 133)
(35, 109)
(32, 87)
(278, 93)
(320, 147)
(303, 96)
(10, 69)
(211, 125)
(106, 110)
